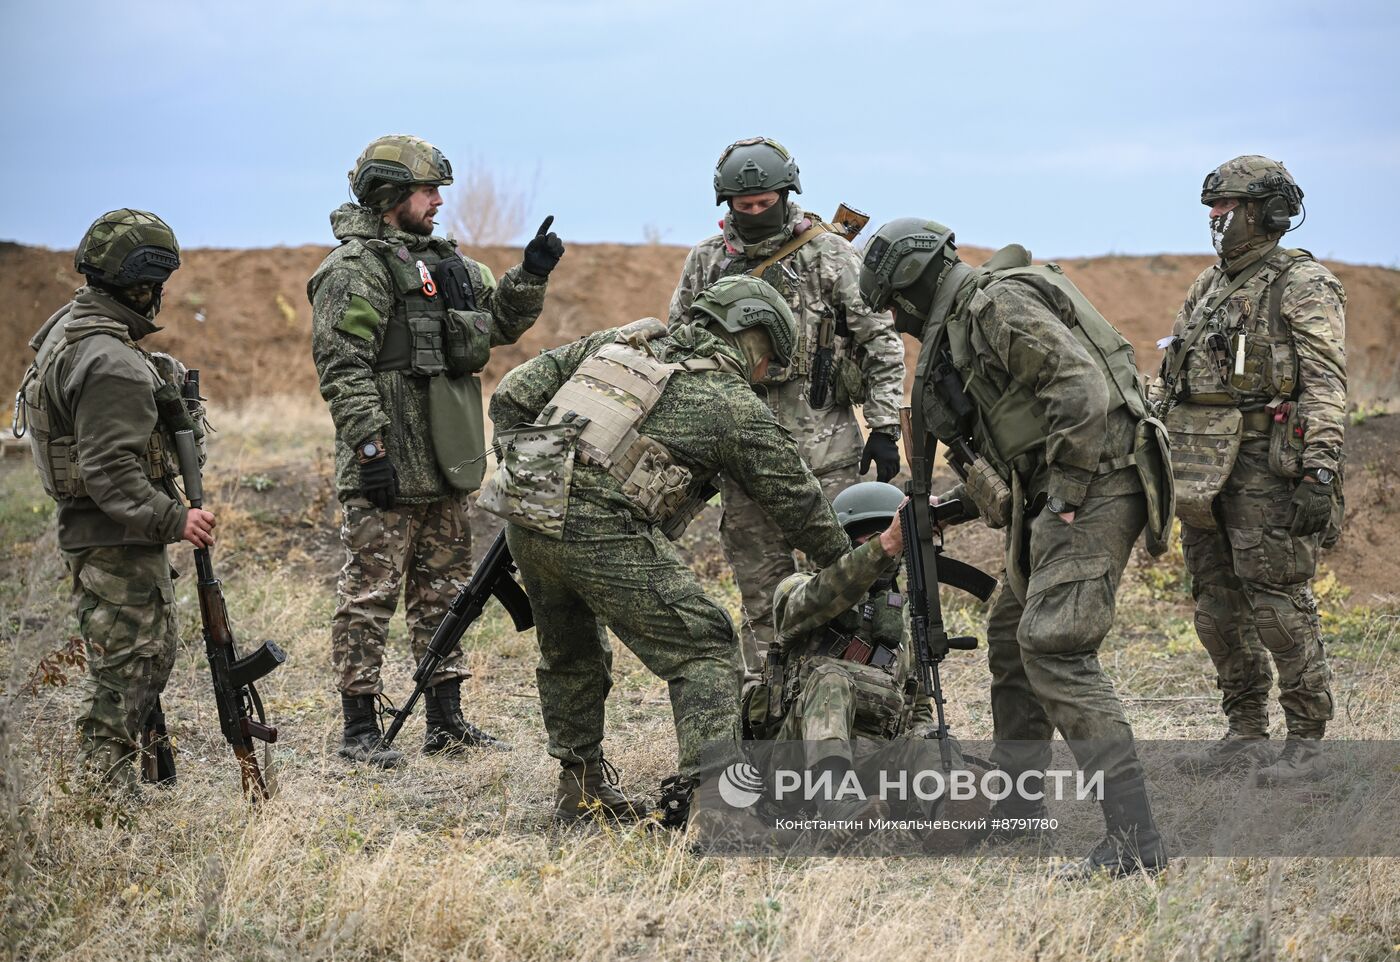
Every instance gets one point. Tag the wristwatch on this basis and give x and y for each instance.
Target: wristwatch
(1058, 506)
(1322, 475)
(371, 450)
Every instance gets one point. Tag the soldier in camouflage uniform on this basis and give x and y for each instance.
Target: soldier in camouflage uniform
(400, 326)
(607, 449)
(1039, 399)
(101, 413)
(820, 280)
(1254, 383)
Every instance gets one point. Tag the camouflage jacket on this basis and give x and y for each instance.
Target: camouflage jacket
(819, 278)
(1017, 337)
(352, 293)
(710, 421)
(1312, 308)
(101, 391)
(811, 600)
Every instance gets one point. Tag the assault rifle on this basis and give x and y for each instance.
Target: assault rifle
(492, 577)
(925, 571)
(241, 715)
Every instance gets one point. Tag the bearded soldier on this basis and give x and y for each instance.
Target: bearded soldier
(607, 449)
(401, 325)
(1039, 400)
(1254, 383)
(101, 413)
(845, 355)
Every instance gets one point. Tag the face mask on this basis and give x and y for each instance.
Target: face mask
(1229, 232)
(753, 228)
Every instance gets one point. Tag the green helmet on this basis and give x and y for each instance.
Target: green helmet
(754, 166)
(391, 165)
(863, 505)
(900, 254)
(124, 248)
(741, 301)
(1252, 177)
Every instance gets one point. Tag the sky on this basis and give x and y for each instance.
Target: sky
(1075, 128)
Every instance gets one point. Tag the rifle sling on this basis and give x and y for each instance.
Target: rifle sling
(810, 234)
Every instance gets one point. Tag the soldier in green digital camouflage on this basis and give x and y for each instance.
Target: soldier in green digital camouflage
(607, 447)
(1038, 398)
(846, 355)
(1253, 385)
(401, 324)
(101, 412)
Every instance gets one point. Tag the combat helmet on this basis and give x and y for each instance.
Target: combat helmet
(755, 166)
(901, 255)
(740, 302)
(1252, 177)
(867, 506)
(390, 166)
(124, 248)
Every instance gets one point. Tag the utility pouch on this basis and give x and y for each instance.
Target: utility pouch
(466, 341)
(1205, 440)
(989, 492)
(1205, 378)
(457, 430)
(657, 485)
(425, 343)
(848, 382)
(1152, 458)
(1286, 441)
(531, 484)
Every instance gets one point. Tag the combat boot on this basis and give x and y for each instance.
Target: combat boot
(589, 790)
(1233, 752)
(1300, 761)
(360, 742)
(1131, 843)
(448, 732)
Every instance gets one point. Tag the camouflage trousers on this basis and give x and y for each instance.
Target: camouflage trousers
(1044, 651)
(424, 548)
(1251, 580)
(760, 557)
(125, 602)
(626, 576)
(838, 701)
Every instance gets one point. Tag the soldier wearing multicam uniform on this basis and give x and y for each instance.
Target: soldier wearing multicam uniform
(401, 324)
(1039, 399)
(607, 448)
(1254, 382)
(101, 413)
(820, 280)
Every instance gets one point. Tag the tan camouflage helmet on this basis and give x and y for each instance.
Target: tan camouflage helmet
(740, 302)
(391, 165)
(1252, 177)
(755, 166)
(124, 248)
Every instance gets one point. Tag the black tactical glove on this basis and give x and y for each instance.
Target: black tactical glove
(1312, 503)
(379, 482)
(884, 451)
(544, 250)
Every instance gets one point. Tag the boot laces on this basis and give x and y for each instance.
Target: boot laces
(610, 773)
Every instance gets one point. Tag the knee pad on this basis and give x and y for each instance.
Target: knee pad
(1273, 631)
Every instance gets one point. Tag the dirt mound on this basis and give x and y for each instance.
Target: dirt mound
(242, 315)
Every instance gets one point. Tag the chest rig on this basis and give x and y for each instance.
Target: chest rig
(610, 395)
(1235, 348)
(1011, 418)
(414, 338)
(56, 448)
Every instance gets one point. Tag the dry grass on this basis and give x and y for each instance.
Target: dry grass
(457, 860)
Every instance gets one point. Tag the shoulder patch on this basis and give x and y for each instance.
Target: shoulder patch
(359, 320)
